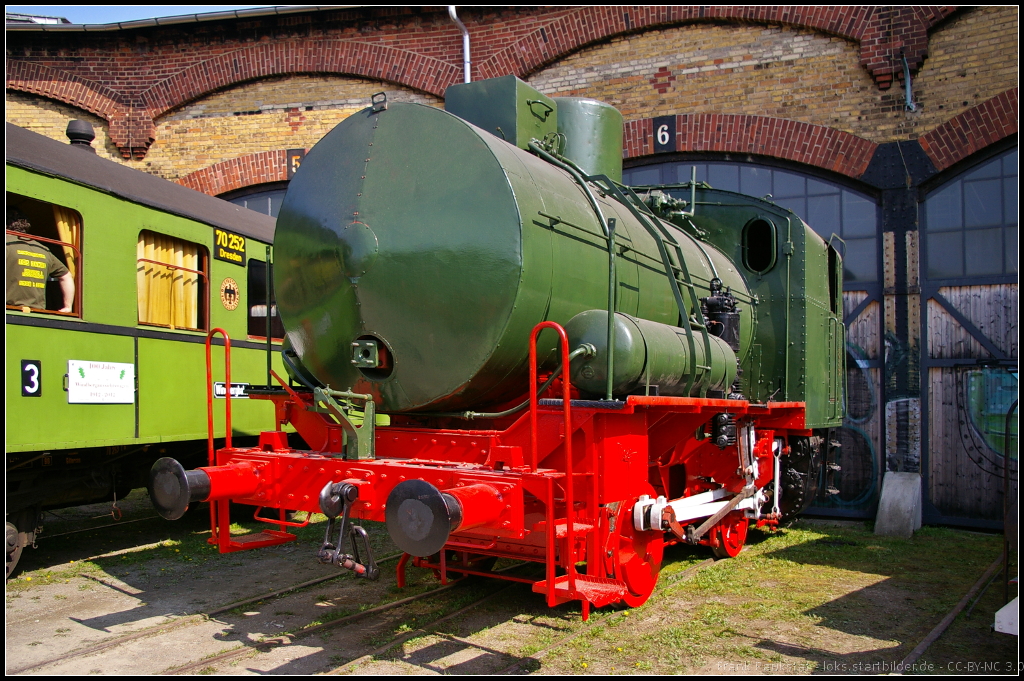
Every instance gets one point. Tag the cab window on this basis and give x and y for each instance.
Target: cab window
(257, 295)
(44, 257)
(172, 282)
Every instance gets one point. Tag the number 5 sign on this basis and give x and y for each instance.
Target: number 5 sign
(664, 134)
(31, 378)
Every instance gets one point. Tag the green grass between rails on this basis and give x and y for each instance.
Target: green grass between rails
(795, 599)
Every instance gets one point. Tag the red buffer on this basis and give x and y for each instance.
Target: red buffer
(592, 490)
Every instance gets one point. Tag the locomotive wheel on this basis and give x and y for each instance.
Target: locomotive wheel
(800, 473)
(731, 533)
(640, 555)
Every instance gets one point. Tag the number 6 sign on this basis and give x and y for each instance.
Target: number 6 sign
(664, 134)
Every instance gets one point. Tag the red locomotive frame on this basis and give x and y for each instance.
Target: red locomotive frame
(519, 487)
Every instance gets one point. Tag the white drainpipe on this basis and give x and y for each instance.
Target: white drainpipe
(465, 42)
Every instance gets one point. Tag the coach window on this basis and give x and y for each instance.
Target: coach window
(971, 223)
(52, 283)
(257, 288)
(172, 282)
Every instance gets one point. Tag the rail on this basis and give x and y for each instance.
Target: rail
(535, 456)
(661, 235)
(215, 537)
(172, 266)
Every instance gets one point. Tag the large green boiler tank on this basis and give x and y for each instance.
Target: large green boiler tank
(416, 252)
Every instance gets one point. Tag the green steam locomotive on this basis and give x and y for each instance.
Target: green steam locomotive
(437, 266)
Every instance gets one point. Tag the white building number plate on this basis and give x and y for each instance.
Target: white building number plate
(100, 382)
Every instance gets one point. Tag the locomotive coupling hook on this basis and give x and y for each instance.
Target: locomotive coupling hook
(336, 499)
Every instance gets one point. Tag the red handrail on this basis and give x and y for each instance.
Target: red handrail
(534, 455)
(35, 237)
(215, 535)
(209, 392)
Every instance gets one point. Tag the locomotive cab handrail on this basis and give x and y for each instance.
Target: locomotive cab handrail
(211, 457)
(661, 235)
(209, 392)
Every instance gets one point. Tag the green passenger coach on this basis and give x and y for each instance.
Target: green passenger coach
(97, 394)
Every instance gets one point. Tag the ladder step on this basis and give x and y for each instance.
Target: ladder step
(561, 529)
(598, 591)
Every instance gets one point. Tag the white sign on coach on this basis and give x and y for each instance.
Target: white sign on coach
(100, 382)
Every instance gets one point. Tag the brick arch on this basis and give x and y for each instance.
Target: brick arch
(129, 126)
(338, 57)
(814, 145)
(882, 32)
(64, 87)
(973, 130)
(236, 173)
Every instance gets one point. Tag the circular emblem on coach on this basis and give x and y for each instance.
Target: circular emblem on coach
(229, 296)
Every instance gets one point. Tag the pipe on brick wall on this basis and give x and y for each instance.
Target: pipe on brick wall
(465, 43)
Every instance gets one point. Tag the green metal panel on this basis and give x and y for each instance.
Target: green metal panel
(593, 135)
(108, 262)
(49, 422)
(172, 391)
(110, 232)
(449, 245)
(506, 107)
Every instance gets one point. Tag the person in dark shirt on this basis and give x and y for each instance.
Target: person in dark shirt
(29, 264)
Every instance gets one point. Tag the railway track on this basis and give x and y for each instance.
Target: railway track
(290, 638)
(519, 663)
(364, 641)
(175, 623)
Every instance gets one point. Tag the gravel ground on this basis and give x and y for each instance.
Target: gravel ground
(817, 597)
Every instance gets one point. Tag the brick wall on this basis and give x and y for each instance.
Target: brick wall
(792, 74)
(729, 69)
(280, 113)
(183, 98)
(972, 58)
(50, 118)
(274, 114)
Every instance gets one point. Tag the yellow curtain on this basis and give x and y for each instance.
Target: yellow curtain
(168, 296)
(68, 227)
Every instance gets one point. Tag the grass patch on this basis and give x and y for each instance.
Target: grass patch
(795, 599)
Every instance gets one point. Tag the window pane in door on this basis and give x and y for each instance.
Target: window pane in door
(983, 252)
(982, 204)
(945, 255)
